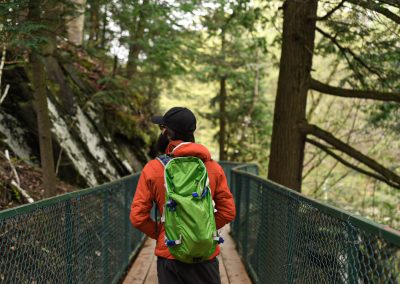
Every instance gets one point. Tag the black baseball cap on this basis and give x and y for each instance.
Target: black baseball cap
(179, 119)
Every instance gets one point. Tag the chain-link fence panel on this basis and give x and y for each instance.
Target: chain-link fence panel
(285, 237)
(79, 237)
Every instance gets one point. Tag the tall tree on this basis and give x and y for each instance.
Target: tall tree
(230, 60)
(370, 69)
(158, 44)
(136, 36)
(287, 145)
(75, 23)
(40, 93)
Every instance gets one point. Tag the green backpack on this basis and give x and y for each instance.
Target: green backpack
(188, 216)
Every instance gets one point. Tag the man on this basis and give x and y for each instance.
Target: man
(177, 126)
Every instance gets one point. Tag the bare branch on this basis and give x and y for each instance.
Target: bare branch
(345, 50)
(247, 117)
(395, 3)
(13, 169)
(371, 5)
(319, 162)
(350, 165)
(348, 93)
(23, 192)
(315, 165)
(388, 175)
(316, 102)
(323, 18)
(326, 177)
(5, 93)
(3, 59)
(332, 185)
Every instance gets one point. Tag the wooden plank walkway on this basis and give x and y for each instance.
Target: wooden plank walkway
(144, 269)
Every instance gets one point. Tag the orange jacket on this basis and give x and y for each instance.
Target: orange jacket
(151, 188)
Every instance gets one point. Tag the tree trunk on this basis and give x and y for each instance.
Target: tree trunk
(43, 121)
(104, 28)
(222, 119)
(94, 23)
(136, 37)
(247, 118)
(287, 146)
(40, 94)
(75, 24)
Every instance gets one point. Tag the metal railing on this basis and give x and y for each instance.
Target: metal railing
(285, 237)
(79, 237)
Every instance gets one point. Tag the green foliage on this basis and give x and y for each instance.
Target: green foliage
(184, 48)
(152, 30)
(16, 32)
(385, 115)
(233, 49)
(15, 195)
(366, 43)
(128, 125)
(23, 34)
(123, 108)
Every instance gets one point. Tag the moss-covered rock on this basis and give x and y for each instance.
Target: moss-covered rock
(99, 123)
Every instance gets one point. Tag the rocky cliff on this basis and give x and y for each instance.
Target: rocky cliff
(100, 126)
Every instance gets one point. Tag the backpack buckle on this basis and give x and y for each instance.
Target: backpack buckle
(171, 243)
(203, 194)
(217, 237)
(171, 204)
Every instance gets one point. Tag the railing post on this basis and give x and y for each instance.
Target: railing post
(290, 244)
(351, 255)
(232, 187)
(263, 236)
(246, 187)
(105, 237)
(128, 236)
(238, 205)
(68, 237)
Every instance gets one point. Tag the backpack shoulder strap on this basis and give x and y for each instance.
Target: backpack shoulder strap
(164, 159)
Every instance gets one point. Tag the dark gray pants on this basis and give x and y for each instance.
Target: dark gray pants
(172, 271)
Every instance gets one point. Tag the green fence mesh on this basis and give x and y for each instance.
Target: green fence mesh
(80, 237)
(285, 237)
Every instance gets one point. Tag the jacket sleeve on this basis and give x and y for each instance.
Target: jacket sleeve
(141, 207)
(224, 202)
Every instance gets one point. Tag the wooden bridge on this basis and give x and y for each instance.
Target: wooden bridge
(232, 270)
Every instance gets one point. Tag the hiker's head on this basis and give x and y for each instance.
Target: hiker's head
(178, 123)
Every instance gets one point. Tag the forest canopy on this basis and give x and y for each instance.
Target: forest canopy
(309, 90)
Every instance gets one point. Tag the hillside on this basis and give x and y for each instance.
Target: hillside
(100, 130)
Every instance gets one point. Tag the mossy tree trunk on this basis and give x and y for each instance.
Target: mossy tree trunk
(222, 120)
(40, 95)
(76, 23)
(222, 103)
(136, 38)
(94, 23)
(288, 142)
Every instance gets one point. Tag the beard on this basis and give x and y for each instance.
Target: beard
(162, 142)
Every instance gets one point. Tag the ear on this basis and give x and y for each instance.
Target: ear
(170, 134)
